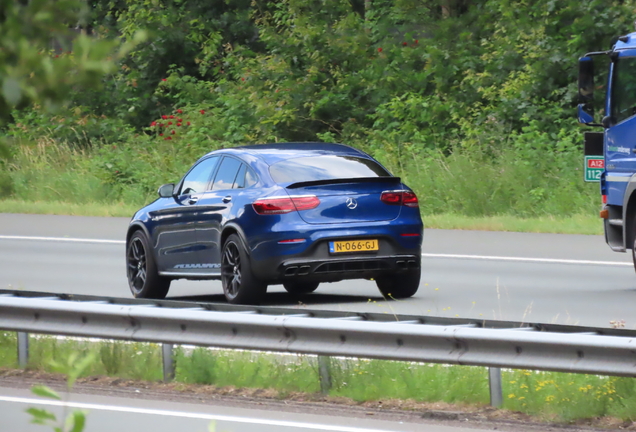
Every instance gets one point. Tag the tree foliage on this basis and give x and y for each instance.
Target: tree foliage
(398, 78)
(442, 74)
(44, 54)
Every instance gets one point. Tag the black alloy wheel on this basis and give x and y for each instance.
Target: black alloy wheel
(143, 278)
(298, 288)
(136, 265)
(231, 270)
(240, 286)
(399, 285)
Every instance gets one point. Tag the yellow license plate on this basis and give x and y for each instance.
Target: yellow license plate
(353, 246)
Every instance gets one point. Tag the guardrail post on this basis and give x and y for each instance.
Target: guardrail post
(324, 370)
(23, 349)
(494, 381)
(168, 362)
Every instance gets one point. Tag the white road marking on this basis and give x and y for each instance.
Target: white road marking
(259, 421)
(62, 239)
(523, 259)
(426, 255)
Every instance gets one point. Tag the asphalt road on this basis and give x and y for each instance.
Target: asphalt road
(117, 413)
(511, 276)
(568, 279)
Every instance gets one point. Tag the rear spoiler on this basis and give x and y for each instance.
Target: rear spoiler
(393, 180)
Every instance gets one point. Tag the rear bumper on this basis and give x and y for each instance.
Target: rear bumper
(345, 268)
(317, 264)
(276, 259)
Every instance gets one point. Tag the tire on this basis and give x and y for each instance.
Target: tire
(143, 278)
(399, 285)
(240, 286)
(298, 288)
(633, 235)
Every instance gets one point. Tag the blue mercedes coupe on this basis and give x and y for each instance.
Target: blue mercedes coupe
(296, 214)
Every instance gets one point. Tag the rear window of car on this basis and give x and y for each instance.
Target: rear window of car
(325, 168)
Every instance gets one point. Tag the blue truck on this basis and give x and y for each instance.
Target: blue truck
(616, 144)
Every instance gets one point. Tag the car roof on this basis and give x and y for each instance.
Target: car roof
(272, 153)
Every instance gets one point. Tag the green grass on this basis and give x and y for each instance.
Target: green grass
(247, 369)
(66, 208)
(8, 349)
(546, 395)
(499, 190)
(139, 361)
(368, 380)
(579, 224)
(504, 181)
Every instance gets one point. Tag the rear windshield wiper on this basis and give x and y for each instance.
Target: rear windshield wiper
(344, 180)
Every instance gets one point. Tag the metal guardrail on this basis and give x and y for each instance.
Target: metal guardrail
(301, 331)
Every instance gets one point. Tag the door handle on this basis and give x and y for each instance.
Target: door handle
(193, 200)
(227, 199)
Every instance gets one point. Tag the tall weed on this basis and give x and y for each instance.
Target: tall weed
(519, 178)
(8, 349)
(124, 360)
(472, 182)
(245, 369)
(45, 171)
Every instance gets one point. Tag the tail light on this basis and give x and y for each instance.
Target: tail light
(406, 198)
(392, 198)
(409, 199)
(604, 199)
(305, 202)
(282, 205)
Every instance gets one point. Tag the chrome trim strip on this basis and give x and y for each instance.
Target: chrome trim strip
(286, 196)
(618, 179)
(189, 274)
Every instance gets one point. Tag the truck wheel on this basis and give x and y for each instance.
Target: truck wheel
(240, 286)
(143, 278)
(399, 285)
(633, 234)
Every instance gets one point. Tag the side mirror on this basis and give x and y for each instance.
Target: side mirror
(586, 90)
(166, 191)
(583, 115)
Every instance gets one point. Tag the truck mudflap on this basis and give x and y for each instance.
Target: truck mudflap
(613, 224)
